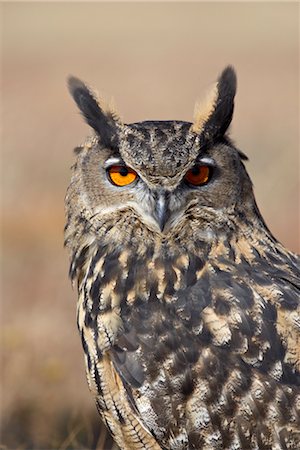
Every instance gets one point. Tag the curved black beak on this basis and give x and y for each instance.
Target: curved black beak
(162, 212)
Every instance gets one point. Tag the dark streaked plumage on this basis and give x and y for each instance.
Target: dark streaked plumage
(188, 307)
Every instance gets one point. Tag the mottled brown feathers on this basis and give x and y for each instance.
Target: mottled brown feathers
(190, 329)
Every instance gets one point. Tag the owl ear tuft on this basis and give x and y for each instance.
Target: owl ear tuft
(212, 117)
(103, 122)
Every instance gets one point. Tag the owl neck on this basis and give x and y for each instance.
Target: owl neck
(156, 266)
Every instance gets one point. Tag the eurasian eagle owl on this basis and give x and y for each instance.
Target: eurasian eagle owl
(188, 307)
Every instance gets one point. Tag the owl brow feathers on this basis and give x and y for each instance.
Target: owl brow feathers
(213, 117)
(105, 123)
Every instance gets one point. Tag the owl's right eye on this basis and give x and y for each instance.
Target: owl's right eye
(121, 175)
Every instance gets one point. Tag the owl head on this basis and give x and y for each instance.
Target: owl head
(160, 177)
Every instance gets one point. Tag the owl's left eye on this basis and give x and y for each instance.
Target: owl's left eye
(198, 175)
(121, 175)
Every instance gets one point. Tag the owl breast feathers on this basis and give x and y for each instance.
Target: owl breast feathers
(188, 307)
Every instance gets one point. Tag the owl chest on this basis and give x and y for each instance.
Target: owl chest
(116, 285)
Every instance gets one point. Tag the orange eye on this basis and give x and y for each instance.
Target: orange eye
(121, 175)
(198, 175)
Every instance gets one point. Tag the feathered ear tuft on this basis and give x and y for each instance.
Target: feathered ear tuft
(104, 123)
(213, 117)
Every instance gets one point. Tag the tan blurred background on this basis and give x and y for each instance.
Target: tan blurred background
(155, 60)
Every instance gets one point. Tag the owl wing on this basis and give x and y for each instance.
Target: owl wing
(236, 329)
(254, 311)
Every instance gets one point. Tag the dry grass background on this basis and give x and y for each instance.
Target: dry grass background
(155, 60)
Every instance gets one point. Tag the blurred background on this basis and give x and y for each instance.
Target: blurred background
(155, 60)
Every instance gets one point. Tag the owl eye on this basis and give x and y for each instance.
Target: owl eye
(121, 175)
(198, 175)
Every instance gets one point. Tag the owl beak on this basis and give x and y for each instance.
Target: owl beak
(162, 212)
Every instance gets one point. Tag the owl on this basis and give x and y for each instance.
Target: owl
(188, 307)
